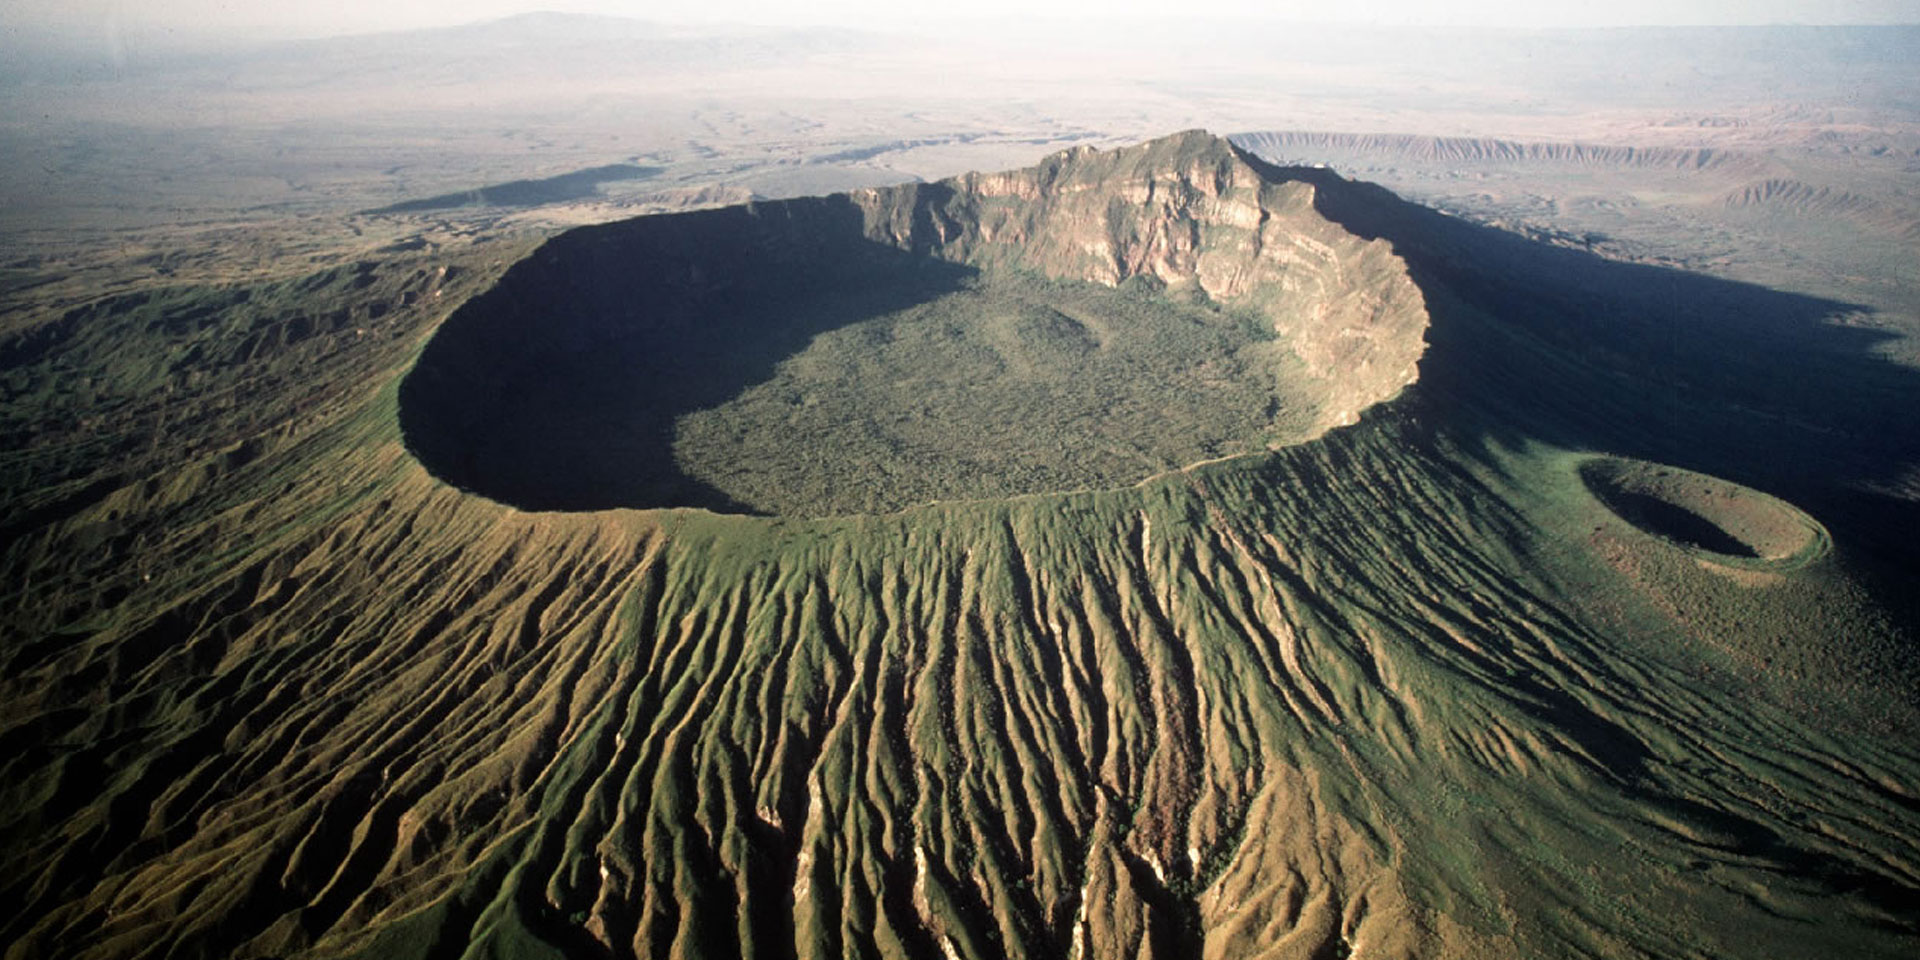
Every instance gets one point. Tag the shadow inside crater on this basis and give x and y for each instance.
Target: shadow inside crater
(560, 387)
(1675, 522)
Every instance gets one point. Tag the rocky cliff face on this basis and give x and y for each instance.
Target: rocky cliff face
(1191, 212)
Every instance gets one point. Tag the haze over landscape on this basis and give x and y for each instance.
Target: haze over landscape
(631, 480)
(312, 19)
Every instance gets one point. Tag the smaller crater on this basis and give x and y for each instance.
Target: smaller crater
(1703, 514)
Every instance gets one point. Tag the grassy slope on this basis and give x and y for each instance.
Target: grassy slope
(1407, 690)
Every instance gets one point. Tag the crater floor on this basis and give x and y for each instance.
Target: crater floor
(1008, 386)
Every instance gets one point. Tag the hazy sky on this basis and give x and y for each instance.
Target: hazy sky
(280, 18)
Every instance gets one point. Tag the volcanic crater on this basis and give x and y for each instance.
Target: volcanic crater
(1097, 319)
(1705, 515)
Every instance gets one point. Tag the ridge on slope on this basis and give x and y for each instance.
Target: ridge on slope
(1083, 323)
(1787, 197)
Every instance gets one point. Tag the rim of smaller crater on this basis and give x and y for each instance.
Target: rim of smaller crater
(1788, 538)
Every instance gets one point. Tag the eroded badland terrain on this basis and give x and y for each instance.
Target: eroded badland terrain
(568, 488)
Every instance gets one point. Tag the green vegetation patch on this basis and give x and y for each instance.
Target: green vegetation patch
(1009, 385)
